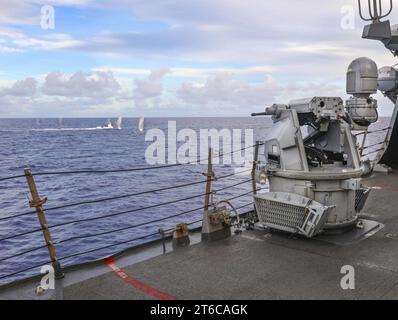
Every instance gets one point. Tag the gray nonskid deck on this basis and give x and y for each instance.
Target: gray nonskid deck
(257, 265)
(248, 267)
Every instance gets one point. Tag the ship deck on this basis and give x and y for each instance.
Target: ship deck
(256, 264)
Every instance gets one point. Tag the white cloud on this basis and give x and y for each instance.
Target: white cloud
(224, 92)
(101, 94)
(64, 3)
(16, 12)
(17, 98)
(190, 72)
(15, 106)
(58, 36)
(279, 36)
(150, 87)
(11, 33)
(224, 88)
(91, 85)
(46, 44)
(319, 48)
(22, 88)
(220, 49)
(123, 71)
(6, 49)
(16, 41)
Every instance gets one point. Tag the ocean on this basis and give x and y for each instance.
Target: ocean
(53, 145)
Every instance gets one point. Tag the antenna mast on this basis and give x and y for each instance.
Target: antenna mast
(379, 30)
(375, 11)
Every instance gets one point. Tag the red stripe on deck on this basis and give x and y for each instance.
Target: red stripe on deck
(110, 262)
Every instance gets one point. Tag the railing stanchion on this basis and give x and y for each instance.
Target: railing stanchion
(363, 141)
(209, 178)
(37, 203)
(255, 158)
(253, 173)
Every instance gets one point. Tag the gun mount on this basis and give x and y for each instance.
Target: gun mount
(320, 168)
(312, 158)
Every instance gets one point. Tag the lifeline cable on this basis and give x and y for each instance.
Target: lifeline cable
(128, 227)
(106, 232)
(133, 169)
(117, 197)
(111, 215)
(97, 249)
(24, 270)
(23, 253)
(373, 131)
(125, 241)
(134, 210)
(12, 177)
(374, 145)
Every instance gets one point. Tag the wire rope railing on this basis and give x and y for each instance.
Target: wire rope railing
(38, 202)
(113, 171)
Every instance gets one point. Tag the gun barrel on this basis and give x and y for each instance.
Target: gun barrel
(260, 114)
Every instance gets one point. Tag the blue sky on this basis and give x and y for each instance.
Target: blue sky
(175, 57)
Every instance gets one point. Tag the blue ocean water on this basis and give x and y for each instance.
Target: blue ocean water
(75, 144)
